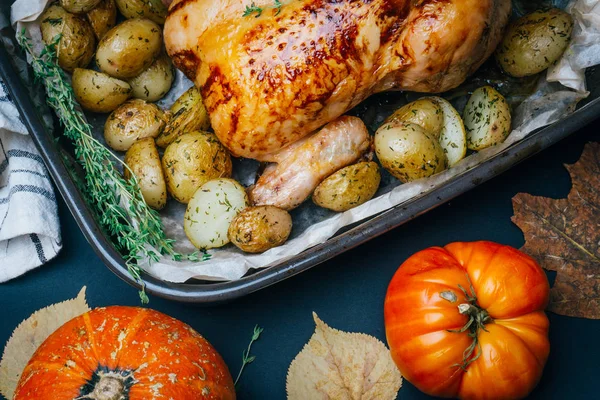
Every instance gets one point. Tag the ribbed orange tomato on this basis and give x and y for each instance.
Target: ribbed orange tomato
(468, 321)
(117, 353)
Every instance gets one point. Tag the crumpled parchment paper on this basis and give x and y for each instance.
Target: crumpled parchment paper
(549, 103)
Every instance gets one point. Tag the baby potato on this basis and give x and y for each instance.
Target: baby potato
(188, 114)
(103, 18)
(408, 152)
(129, 48)
(349, 187)
(77, 43)
(453, 136)
(154, 10)
(143, 160)
(191, 161)
(134, 120)
(425, 112)
(78, 6)
(154, 83)
(99, 92)
(535, 42)
(487, 119)
(258, 229)
(211, 210)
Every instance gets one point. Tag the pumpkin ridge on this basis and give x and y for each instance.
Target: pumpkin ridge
(132, 329)
(91, 334)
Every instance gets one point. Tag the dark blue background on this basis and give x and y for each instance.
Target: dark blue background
(346, 292)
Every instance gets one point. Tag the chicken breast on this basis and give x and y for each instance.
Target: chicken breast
(271, 78)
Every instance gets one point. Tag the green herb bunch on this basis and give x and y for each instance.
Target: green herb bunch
(118, 202)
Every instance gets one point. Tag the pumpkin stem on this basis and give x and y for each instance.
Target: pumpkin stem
(478, 318)
(109, 388)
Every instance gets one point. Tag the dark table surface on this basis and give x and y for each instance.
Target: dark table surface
(346, 292)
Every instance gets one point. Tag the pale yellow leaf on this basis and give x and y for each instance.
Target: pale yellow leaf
(341, 365)
(30, 334)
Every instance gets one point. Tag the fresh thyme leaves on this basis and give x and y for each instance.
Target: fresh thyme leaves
(278, 6)
(253, 9)
(246, 358)
(118, 203)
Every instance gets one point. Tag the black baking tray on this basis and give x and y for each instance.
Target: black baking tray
(206, 292)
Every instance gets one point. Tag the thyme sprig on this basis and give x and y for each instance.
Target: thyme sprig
(254, 9)
(118, 202)
(246, 358)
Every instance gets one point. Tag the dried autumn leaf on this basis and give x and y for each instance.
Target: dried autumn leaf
(564, 236)
(30, 334)
(342, 365)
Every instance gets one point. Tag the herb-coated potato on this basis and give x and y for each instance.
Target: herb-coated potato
(258, 229)
(154, 83)
(188, 114)
(129, 48)
(103, 18)
(151, 9)
(425, 112)
(453, 136)
(349, 187)
(191, 161)
(99, 92)
(77, 43)
(535, 42)
(408, 152)
(143, 160)
(487, 119)
(211, 210)
(78, 6)
(133, 120)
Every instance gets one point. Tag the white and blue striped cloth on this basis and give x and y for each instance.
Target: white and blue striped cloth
(29, 225)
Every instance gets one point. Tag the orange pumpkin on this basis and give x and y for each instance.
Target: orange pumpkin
(130, 353)
(468, 321)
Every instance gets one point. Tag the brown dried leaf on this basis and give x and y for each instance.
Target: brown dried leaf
(564, 236)
(30, 334)
(341, 365)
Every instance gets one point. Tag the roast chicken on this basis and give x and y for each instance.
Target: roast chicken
(271, 75)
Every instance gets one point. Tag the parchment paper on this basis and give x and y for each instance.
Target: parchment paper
(547, 103)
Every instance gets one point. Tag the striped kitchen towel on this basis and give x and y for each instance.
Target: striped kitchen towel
(29, 225)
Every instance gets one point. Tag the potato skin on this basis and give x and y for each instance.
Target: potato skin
(487, 119)
(154, 10)
(188, 114)
(129, 48)
(78, 6)
(349, 187)
(144, 161)
(103, 18)
(99, 92)
(535, 42)
(77, 43)
(425, 112)
(155, 82)
(258, 229)
(132, 121)
(191, 161)
(408, 152)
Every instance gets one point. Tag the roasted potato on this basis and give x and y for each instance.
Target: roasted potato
(155, 82)
(143, 160)
(211, 210)
(99, 92)
(425, 112)
(78, 6)
(77, 43)
(151, 9)
(188, 114)
(191, 161)
(133, 120)
(129, 48)
(453, 136)
(535, 42)
(103, 18)
(258, 229)
(487, 119)
(408, 152)
(349, 187)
